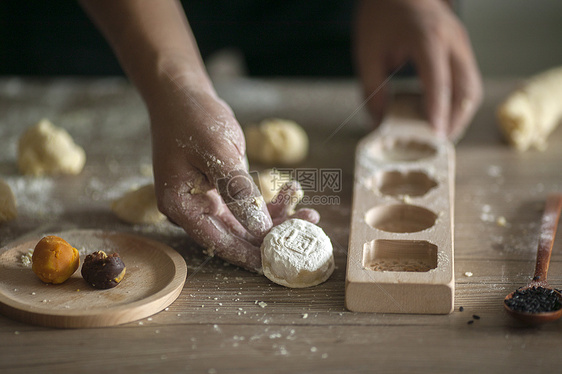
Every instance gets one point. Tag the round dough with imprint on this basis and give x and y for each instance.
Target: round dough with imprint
(45, 149)
(297, 254)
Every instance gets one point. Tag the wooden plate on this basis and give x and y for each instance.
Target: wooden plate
(154, 279)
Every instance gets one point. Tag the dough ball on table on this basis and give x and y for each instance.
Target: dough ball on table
(531, 113)
(297, 254)
(276, 142)
(138, 206)
(269, 185)
(8, 210)
(45, 149)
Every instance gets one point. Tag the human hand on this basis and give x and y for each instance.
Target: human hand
(200, 175)
(202, 182)
(426, 32)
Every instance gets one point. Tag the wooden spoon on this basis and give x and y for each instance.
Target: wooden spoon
(549, 224)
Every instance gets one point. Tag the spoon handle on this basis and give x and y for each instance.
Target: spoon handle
(549, 224)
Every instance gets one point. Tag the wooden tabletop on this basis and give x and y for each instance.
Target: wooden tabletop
(229, 320)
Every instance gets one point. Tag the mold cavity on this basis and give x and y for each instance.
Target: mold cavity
(399, 255)
(401, 218)
(412, 183)
(392, 149)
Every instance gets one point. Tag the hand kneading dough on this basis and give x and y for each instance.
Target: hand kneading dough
(138, 206)
(276, 142)
(530, 114)
(8, 209)
(297, 254)
(45, 149)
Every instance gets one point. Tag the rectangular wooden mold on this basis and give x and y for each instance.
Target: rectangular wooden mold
(400, 257)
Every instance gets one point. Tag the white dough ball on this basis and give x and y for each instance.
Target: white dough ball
(8, 209)
(276, 142)
(297, 254)
(138, 206)
(45, 149)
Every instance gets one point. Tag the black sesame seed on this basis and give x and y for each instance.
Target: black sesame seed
(475, 316)
(534, 300)
(470, 322)
(461, 309)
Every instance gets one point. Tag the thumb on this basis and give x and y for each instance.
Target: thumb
(242, 197)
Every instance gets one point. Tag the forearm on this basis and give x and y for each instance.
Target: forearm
(153, 43)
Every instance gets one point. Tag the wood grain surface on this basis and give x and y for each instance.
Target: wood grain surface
(154, 278)
(230, 320)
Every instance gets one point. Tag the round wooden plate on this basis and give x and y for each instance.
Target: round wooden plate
(154, 279)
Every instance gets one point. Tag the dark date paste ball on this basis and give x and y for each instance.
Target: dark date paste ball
(103, 271)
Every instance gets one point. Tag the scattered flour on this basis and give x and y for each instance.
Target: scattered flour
(494, 171)
(36, 196)
(99, 190)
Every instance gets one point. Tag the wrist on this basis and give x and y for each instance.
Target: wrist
(183, 71)
(164, 76)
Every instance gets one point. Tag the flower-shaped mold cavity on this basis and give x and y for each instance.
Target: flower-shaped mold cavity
(389, 149)
(400, 218)
(411, 183)
(399, 255)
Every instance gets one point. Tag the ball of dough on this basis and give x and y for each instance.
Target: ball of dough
(276, 142)
(297, 254)
(54, 260)
(269, 184)
(8, 210)
(45, 149)
(138, 206)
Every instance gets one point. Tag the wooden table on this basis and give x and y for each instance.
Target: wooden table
(230, 320)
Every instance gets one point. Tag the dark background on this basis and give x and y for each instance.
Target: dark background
(277, 38)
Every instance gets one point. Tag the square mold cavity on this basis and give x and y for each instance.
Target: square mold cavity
(399, 255)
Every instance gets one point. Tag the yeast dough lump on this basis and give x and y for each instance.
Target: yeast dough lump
(138, 206)
(532, 112)
(276, 142)
(8, 210)
(46, 149)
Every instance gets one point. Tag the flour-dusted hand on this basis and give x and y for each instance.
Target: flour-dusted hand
(426, 32)
(201, 180)
(200, 175)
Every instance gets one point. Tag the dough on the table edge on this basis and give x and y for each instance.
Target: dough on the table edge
(138, 206)
(529, 115)
(45, 149)
(297, 254)
(8, 209)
